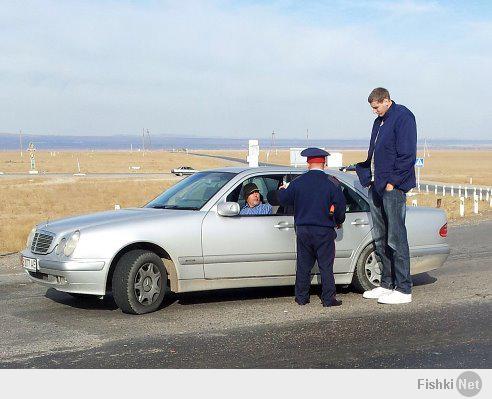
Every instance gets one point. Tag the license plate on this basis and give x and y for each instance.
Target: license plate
(30, 264)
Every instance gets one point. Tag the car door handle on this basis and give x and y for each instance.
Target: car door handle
(360, 222)
(283, 225)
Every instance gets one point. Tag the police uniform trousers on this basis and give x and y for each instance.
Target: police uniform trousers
(315, 243)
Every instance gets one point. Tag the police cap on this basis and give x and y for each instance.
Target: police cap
(314, 155)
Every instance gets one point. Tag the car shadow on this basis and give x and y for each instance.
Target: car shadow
(215, 296)
(244, 294)
(233, 294)
(84, 302)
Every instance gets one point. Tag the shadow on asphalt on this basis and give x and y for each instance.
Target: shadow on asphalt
(193, 298)
(423, 279)
(88, 302)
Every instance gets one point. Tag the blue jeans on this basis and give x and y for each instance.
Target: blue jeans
(390, 238)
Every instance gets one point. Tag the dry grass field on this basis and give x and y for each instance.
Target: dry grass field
(24, 203)
(452, 207)
(28, 201)
(105, 161)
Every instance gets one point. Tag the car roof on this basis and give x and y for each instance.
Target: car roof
(344, 176)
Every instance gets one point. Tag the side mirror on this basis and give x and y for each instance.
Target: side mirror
(228, 209)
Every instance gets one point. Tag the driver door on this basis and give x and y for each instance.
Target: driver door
(249, 245)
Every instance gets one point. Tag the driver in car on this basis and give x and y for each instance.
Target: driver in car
(253, 205)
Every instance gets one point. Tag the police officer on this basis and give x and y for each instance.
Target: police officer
(319, 207)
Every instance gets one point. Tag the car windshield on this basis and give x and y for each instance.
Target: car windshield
(192, 192)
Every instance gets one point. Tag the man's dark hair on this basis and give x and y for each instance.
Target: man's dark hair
(379, 94)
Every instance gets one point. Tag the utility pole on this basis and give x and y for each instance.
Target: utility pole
(307, 136)
(150, 142)
(20, 141)
(143, 141)
(426, 149)
(273, 142)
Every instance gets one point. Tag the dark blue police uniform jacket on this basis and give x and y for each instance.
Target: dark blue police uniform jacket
(394, 151)
(312, 194)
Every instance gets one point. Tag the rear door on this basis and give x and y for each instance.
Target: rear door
(356, 226)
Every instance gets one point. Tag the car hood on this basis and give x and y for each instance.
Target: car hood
(121, 216)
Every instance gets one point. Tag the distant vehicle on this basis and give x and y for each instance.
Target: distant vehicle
(192, 238)
(184, 170)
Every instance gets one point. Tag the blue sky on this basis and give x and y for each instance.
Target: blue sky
(244, 68)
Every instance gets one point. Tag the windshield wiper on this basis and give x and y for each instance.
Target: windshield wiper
(186, 208)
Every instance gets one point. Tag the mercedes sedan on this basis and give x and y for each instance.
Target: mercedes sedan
(192, 238)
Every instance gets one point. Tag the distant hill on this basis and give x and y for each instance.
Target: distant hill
(122, 142)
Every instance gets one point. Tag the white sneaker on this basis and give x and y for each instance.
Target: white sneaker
(395, 297)
(376, 293)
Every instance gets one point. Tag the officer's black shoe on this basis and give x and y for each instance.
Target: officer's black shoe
(301, 302)
(333, 302)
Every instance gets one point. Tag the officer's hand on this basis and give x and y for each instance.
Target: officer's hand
(389, 187)
(284, 186)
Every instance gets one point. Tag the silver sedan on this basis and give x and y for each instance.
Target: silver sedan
(192, 238)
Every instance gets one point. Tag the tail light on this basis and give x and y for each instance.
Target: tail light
(443, 231)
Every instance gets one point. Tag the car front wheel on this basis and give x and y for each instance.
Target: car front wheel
(367, 274)
(139, 282)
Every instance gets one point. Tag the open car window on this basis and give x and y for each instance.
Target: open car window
(265, 184)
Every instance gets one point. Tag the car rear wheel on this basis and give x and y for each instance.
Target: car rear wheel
(139, 282)
(367, 274)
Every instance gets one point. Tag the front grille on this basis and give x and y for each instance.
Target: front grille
(41, 242)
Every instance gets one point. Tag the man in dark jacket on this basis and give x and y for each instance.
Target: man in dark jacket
(389, 171)
(319, 207)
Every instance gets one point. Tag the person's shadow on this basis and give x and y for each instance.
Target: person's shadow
(423, 279)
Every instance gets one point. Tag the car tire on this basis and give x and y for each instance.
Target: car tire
(139, 282)
(367, 273)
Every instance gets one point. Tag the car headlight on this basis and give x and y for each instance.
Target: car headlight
(71, 243)
(30, 237)
(60, 246)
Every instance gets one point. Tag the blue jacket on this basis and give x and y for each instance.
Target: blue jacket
(394, 151)
(312, 195)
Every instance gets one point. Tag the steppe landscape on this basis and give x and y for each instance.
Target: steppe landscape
(26, 201)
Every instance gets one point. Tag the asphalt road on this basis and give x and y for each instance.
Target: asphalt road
(448, 325)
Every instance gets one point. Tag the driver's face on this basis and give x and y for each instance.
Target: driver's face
(253, 199)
